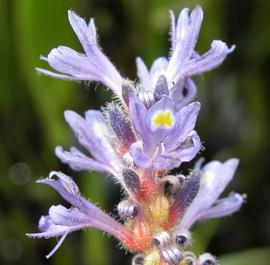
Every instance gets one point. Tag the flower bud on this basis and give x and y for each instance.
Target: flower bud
(131, 180)
(182, 239)
(161, 239)
(161, 88)
(138, 259)
(171, 255)
(207, 259)
(127, 209)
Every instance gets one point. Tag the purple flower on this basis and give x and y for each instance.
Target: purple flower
(138, 140)
(215, 176)
(184, 61)
(61, 221)
(92, 65)
(167, 136)
(94, 135)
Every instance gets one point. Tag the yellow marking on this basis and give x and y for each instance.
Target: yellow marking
(163, 119)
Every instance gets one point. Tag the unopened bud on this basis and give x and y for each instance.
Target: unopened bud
(182, 238)
(127, 209)
(138, 259)
(172, 255)
(132, 180)
(207, 259)
(161, 88)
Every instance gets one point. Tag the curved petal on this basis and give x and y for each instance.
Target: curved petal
(158, 68)
(92, 133)
(215, 177)
(187, 153)
(87, 36)
(223, 207)
(68, 61)
(183, 93)
(79, 162)
(185, 122)
(143, 74)
(208, 61)
(187, 32)
(138, 156)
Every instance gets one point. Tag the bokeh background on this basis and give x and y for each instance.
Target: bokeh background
(234, 120)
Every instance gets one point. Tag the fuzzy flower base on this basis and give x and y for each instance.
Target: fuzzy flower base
(139, 140)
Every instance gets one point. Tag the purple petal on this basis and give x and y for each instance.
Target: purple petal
(68, 61)
(93, 134)
(79, 162)
(143, 74)
(208, 61)
(56, 75)
(183, 93)
(87, 36)
(223, 207)
(138, 113)
(158, 68)
(60, 215)
(187, 32)
(102, 136)
(187, 153)
(67, 188)
(139, 157)
(215, 177)
(185, 122)
(173, 31)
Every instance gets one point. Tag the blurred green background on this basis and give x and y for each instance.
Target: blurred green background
(234, 120)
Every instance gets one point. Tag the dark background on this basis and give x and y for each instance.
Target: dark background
(234, 120)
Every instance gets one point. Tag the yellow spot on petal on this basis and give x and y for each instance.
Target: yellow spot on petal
(163, 119)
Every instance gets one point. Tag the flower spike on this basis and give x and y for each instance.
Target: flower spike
(138, 141)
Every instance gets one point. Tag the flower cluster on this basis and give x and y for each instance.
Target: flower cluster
(139, 140)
